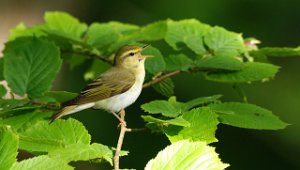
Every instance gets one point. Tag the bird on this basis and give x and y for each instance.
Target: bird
(113, 90)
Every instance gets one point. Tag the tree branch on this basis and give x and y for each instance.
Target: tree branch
(120, 140)
(160, 78)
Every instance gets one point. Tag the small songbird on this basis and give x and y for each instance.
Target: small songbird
(115, 89)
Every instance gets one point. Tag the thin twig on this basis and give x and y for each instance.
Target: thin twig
(120, 140)
(160, 78)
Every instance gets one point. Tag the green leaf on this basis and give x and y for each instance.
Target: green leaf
(24, 120)
(187, 155)
(189, 32)
(83, 152)
(165, 87)
(203, 125)
(63, 24)
(30, 65)
(224, 43)
(156, 62)
(220, 62)
(74, 60)
(276, 52)
(247, 116)
(42, 137)
(170, 108)
(10, 104)
(202, 100)
(178, 62)
(97, 68)
(22, 31)
(253, 71)
(154, 31)
(8, 147)
(61, 96)
(2, 90)
(41, 162)
(178, 121)
(102, 35)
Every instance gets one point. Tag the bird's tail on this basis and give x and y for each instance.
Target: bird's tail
(66, 110)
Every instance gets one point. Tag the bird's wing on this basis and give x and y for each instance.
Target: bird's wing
(110, 83)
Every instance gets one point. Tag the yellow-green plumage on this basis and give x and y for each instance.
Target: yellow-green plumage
(115, 89)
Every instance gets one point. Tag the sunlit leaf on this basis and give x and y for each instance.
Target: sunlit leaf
(64, 24)
(187, 155)
(8, 147)
(224, 43)
(203, 126)
(41, 162)
(42, 137)
(83, 152)
(188, 32)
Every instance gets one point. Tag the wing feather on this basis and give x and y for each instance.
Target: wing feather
(110, 83)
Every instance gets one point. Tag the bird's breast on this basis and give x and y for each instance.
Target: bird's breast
(121, 101)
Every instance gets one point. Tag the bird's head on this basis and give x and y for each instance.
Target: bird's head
(130, 57)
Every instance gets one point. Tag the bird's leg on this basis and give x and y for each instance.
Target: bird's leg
(122, 121)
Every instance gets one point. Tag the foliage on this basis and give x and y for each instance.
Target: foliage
(33, 56)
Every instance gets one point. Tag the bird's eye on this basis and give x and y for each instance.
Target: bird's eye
(131, 54)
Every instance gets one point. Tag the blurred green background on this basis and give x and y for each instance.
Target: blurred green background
(275, 23)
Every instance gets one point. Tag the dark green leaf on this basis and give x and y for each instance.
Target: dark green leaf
(189, 32)
(253, 71)
(178, 121)
(10, 104)
(219, 62)
(203, 125)
(30, 65)
(224, 43)
(97, 68)
(178, 62)
(1, 68)
(277, 52)
(2, 90)
(8, 147)
(187, 155)
(247, 116)
(165, 87)
(202, 100)
(61, 96)
(156, 62)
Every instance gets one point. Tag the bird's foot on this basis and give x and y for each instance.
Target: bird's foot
(122, 122)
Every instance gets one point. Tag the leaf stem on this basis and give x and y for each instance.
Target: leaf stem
(160, 78)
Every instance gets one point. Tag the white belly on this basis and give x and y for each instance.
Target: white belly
(121, 101)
